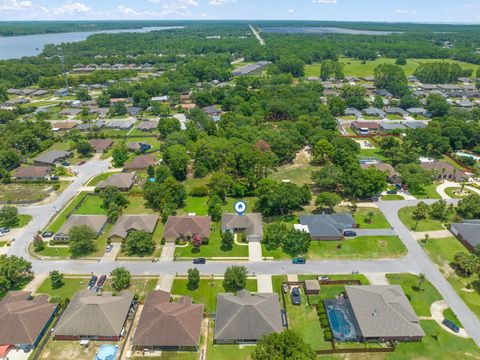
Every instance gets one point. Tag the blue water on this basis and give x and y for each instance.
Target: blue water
(322, 30)
(339, 323)
(460, 153)
(107, 352)
(15, 47)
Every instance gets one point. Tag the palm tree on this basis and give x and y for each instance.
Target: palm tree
(421, 280)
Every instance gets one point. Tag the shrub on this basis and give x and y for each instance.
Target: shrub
(199, 191)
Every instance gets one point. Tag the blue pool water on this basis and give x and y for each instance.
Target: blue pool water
(107, 352)
(342, 328)
(460, 153)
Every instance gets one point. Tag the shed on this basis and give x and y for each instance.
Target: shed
(312, 287)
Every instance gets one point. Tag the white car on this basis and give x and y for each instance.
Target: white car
(2, 234)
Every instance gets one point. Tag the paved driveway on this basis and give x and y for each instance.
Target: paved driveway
(374, 232)
(254, 251)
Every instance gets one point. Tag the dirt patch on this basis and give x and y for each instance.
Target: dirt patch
(383, 243)
(303, 157)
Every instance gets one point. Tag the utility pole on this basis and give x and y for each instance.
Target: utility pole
(62, 60)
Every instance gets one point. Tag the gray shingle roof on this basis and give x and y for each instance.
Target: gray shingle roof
(94, 222)
(127, 223)
(121, 181)
(52, 156)
(252, 223)
(324, 225)
(92, 314)
(247, 316)
(469, 231)
(383, 311)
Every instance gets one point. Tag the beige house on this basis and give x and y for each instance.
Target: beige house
(127, 223)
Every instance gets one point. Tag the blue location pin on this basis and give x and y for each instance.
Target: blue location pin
(240, 207)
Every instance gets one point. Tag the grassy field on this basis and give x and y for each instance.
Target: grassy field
(61, 350)
(442, 252)
(356, 68)
(199, 205)
(362, 247)
(378, 221)
(391, 197)
(60, 219)
(454, 192)
(376, 153)
(207, 291)
(140, 286)
(297, 175)
(72, 285)
(213, 249)
(406, 215)
(92, 205)
(420, 298)
(23, 192)
(429, 192)
(23, 220)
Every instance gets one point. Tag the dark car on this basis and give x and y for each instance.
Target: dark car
(299, 261)
(451, 325)
(54, 178)
(296, 297)
(65, 163)
(101, 281)
(92, 282)
(199, 261)
(47, 234)
(349, 233)
(398, 186)
(4, 229)
(392, 192)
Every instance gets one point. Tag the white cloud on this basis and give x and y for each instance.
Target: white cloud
(72, 8)
(127, 11)
(14, 5)
(403, 11)
(291, 11)
(324, 1)
(221, 2)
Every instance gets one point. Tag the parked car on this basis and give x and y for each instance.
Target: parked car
(392, 192)
(323, 278)
(65, 163)
(4, 229)
(199, 261)
(101, 281)
(47, 234)
(451, 325)
(398, 186)
(92, 282)
(349, 233)
(109, 248)
(285, 288)
(2, 234)
(54, 178)
(296, 297)
(299, 261)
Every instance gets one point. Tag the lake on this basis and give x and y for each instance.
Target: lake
(324, 30)
(15, 47)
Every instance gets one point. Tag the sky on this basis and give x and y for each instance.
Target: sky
(430, 11)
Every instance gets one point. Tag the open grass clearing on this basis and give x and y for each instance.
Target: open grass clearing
(406, 215)
(363, 217)
(199, 205)
(299, 175)
(428, 192)
(207, 291)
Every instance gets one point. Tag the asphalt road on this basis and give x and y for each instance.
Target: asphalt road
(465, 315)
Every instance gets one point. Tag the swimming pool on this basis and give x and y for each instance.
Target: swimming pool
(460, 153)
(107, 352)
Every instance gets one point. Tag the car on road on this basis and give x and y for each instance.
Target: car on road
(92, 282)
(451, 325)
(54, 178)
(349, 233)
(47, 234)
(4, 229)
(199, 261)
(109, 248)
(296, 297)
(299, 261)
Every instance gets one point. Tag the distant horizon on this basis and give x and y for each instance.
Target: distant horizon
(404, 11)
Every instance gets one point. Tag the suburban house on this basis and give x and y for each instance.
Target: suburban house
(165, 325)
(250, 224)
(138, 146)
(365, 127)
(147, 125)
(120, 125)
(391, 126)
(51, 157)
(64, 125)
(353, 112)
(94, 316)
(418, 111)
(122, 181)
(378, 313)
(127, 223)
(141, 162)
(212, 110)
(70, 112)
(246, 317)
(393, 176)
(95, 222)
(396, 111)
(444, 171)
(467, 233)
(186, 227)
(32, 173)
(326, 226)
(100, 145)
(374, 112)
(96, 125)
(23, 320)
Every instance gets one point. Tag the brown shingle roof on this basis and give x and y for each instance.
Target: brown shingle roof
(31, 172)
(382, 167)
(64, 125)
(140, 162)
(121, 181)
(179, 226)
(22, 320)
(100, 145)
(371, 125)
(94, 222)
(127, 223)
(169, 324)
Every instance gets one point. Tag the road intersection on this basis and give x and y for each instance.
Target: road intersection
(416, 261)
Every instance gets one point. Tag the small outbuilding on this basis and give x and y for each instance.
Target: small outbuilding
(312, 287)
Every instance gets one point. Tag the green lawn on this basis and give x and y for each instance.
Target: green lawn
(454, 192)
(225, 352)
(92, 205)
(57, 223)
(23, 220)
(72, 285)
(140, 286)
(406, 215)
(299, 175)
(391, 197)
(422, 298)
(213, 249)
(372, 153)
(429, 192)
(362, 247)
(207, 291)
(95, 180)
(136, 205)
(378, 221)
(199, 205)
(194, 182)
(442, 252)
(356, 68)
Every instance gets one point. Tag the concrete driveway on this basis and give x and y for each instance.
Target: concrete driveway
(254, 251)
